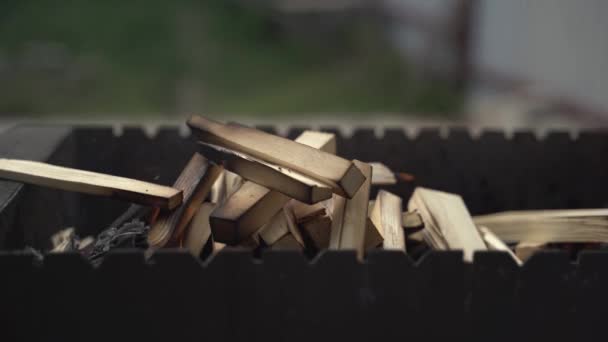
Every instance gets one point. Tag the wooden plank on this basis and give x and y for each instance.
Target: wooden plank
(382, 175)
(199, 230)
(195, 181)
(255, 200)
(496, 244)
(387, 219)
(279, 179)
(287, 242)
(448, 224)
(341, 175)
(548, 226)
(322, 141)
(526, 249)
(412, 220)
(69, 179)
(275, 229)
(245, 212)
(348, 232)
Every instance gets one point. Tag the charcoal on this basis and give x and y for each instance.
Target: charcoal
(132, 234)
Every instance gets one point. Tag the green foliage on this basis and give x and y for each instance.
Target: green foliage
(138, 56)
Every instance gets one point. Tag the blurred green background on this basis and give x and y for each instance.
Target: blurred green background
(158, 57)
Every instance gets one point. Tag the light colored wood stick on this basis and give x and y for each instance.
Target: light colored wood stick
(287, 242)
(524, 250)
(195, 181)
(245, 212)
(496, 244)
(322, 141)
(199, 231)
(341, 175)
(373, 238)
(412, 220)
(548, 226)
(288, 182)
(261, 202)
(275, 229)
(348, 231)
(382, 175)
(448, 224)
(88, 182)
(387, 218)
(317, 231)
(307, 212)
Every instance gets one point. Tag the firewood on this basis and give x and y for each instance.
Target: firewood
(341, 175)
(69, 179)
(386, 216)
(349, 219)
(195, 181)
(448, 224)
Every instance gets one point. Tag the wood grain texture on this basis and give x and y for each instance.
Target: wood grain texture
(548, 226)
(448, 224)
(288, 182)
(338, 173)
(386, 216)
(245, 212)
(195, 181)
(253, 205)
(63, 178)
(199, 230)
(350, 232)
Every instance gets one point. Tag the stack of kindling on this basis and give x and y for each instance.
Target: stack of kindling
(292, 194)
(249, 188)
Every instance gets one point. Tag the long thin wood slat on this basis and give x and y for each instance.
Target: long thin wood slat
(448, 224)
(271, 176)
(340, 174)
(386, 216)
(195, 181)
(348, 231)
(69, 179)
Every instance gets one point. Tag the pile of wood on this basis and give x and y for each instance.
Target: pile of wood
(253, 189)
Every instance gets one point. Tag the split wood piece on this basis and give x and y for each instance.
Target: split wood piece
(281, 224)
(495, 244)
(316, 233)
(218, 246)
(253, 241)
(225, 185)
(307, 212)
(412, 221)
(287, 242)
(254, 200)
(321, 141)
(199, 231)
(350, 216)
(341, 175)
(245, 212)
(386, 216)
(373, 238)
(524, 250)
(218, 189)
(275, 229)
(382, 175)
(314, 222)
(195, 181)
(548, 226)
(417, 236)
(448, 224)
(64, 178)
(288, 182)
